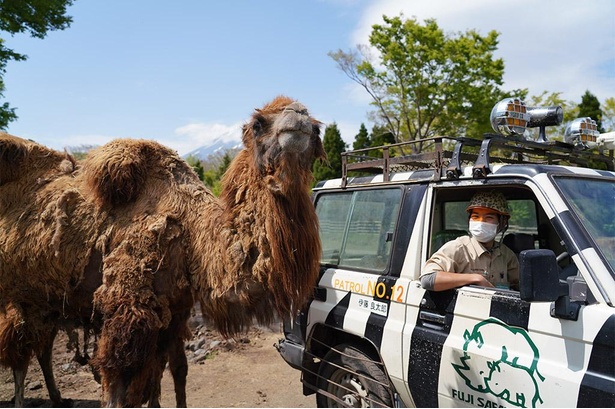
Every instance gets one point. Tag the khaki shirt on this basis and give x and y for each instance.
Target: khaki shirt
(465, 254)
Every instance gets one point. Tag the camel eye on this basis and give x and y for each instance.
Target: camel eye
(257, 127)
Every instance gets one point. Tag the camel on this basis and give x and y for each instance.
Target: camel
(127, 240)
(24, 331)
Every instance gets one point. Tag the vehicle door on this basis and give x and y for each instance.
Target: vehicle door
(484, 347)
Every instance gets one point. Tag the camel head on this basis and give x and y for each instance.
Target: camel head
(284, 140)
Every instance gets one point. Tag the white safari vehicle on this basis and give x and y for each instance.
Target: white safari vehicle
(373, 337)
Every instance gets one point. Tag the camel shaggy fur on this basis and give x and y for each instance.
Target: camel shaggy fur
(19, 345)
(129, 239)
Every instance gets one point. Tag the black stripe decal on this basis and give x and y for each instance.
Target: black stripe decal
(598, 385)
(605, 173)
(337, 314)
(428, 338)
(509, 308)
(375, 323)
(424, 369)
(374, 329)
(412, 202)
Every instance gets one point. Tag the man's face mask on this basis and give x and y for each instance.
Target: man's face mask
(483, 232)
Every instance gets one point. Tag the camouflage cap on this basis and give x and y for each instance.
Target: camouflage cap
(490, 200)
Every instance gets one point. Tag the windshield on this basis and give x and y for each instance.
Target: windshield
(593, 200)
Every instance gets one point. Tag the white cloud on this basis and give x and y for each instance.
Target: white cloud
(348, 131)
(563, 46)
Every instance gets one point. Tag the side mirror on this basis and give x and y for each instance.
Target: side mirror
(539, 281)
(538, 275)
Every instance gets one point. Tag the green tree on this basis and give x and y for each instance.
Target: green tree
(334, 145)
(426, 82)
(197, 166)
(590, 106)
(362, 139)
(608, 114)
(226, 162)
(35, 17)
(381, 136)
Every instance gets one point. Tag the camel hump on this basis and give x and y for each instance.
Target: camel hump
(12, 151)
(117, 172)
(22, 157)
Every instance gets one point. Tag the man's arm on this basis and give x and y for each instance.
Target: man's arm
(444, 280)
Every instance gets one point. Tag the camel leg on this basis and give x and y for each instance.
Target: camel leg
(19, 376)
(154, 387)
(178, 364)
(114, 393)
(44, 360)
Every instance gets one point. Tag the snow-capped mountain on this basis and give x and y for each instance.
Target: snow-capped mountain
(218, 145)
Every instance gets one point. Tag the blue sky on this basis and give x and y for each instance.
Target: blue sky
(183, 72)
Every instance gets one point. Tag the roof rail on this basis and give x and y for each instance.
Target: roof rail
(445, 156)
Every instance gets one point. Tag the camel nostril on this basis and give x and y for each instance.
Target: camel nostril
(297, 108)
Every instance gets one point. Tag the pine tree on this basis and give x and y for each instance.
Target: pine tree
(362, 140)
(334, 145)
(590, 106)
(380, 136)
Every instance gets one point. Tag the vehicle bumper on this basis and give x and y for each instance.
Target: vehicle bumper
(291, 352)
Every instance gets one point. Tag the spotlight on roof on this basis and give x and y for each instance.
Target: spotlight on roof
(582, 133)
(509, 117)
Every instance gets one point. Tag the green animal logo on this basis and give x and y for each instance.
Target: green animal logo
(501, 361)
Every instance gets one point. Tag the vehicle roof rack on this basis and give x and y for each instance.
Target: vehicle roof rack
(446, 155)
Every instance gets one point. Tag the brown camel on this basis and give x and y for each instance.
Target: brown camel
(25, 330)
(129, 239)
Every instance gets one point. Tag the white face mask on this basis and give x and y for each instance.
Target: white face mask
(483, 232)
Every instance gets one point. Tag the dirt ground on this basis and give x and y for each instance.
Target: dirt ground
(246, 372)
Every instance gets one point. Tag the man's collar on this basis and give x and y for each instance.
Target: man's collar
(481, 248)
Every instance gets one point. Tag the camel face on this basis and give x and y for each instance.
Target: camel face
(294, 128)
(283, 130)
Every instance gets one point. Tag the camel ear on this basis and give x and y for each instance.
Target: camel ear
(257, 126)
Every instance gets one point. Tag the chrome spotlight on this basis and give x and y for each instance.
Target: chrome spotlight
(510, 117)
(582, 132)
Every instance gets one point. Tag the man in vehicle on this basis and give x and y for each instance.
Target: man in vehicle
(478, 258)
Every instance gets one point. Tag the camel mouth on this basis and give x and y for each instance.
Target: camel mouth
(293, 141)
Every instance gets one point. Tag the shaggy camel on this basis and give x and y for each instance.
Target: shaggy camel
(131, 238)
(25, 329)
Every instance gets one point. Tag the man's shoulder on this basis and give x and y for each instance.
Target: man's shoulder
(456, 243)
(462, 240)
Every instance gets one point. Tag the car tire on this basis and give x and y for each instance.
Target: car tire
(354, 378)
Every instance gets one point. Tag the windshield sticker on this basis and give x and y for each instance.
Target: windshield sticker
(501, 361)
